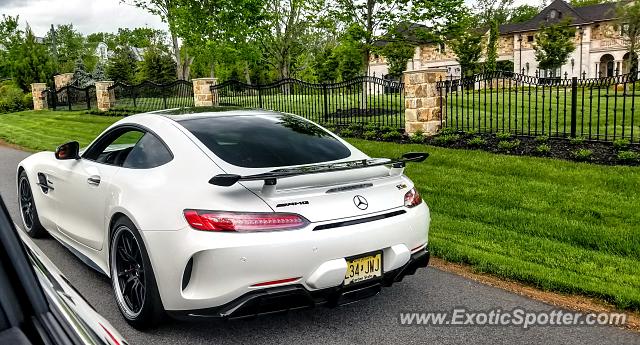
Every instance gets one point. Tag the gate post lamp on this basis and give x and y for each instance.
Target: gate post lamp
(520, 58)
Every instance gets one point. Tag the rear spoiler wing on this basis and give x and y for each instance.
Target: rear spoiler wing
(270, 178)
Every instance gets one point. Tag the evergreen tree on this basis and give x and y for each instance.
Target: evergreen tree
(32, 63)
(122, 66)
(81, 77)
(492, 48)
(99, 73)
(158, 66)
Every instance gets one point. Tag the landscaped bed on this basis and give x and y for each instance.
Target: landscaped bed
(557, 225)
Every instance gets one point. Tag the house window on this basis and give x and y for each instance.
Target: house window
(530, 38)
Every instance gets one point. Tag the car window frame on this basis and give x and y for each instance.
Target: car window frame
(106, 135)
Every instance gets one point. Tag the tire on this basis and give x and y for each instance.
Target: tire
(132, 277)
(28, 211)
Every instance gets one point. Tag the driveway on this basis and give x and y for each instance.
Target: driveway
(373, 321)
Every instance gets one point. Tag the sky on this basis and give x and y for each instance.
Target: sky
(87, 16)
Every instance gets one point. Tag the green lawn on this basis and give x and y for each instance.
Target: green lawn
(557, 225)
(600, 113)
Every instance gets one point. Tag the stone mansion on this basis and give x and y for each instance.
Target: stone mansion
(599, 45)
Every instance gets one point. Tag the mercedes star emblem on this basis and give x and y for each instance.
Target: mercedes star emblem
(360, 202)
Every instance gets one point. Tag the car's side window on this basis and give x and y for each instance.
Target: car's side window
(115, 147)
(149, 152)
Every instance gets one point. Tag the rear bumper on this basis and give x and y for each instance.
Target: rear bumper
(292, 297)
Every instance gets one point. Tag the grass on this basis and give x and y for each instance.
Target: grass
(557, 225)
(601, 113)
(45, 130)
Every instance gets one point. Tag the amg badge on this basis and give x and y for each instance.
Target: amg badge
(293, 203)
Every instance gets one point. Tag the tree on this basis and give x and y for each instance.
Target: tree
(326, 66)
(468, 49)
(492, 47)
(553, 45)
(158, 65)
(11, 37)
(581, 3)
(32, 63)
(99, 73)
(376, 16)
(489, 12)
(122, 66)
(523, 13)
(81, 77)
(629, 20)
(67, 45)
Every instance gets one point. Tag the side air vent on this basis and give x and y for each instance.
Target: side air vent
(359, 221)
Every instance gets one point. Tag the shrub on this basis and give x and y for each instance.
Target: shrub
(542, 138)
(621, 144)
(370, 135)
(387, 129)
(392, 135)
(446, 138)
(417, 137)
(330, 128)
(628, 156)
(576, 140)
(355, 127)
(508, 145)
(471, 132)
(371, 127)
(12, 98)
(346, 132)
(448, 130)
(543, 149)
(582, 155)
(476, 142)
(503, 135)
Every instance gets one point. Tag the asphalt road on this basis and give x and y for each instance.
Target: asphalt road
(372, 321)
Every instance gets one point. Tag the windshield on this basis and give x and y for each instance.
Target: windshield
(263, 141)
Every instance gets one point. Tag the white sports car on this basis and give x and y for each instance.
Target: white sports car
(227, 213)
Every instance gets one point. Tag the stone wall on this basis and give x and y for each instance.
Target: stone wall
(105, 97)
(39, 96)
(202, 94)
(62, 80)
(422, 100)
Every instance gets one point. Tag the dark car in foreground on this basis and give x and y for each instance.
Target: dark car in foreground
(37, 304)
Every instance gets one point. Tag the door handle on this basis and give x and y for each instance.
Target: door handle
(93, 180)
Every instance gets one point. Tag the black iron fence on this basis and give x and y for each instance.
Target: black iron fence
(71, 97)
(603, 109)
(148, 96)
(359, 100)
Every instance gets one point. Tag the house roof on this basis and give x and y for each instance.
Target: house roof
(577, 16)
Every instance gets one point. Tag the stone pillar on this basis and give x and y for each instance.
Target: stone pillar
(39, 96)
(105, 97)
(202, 95)
(62, 80)
(422, 100)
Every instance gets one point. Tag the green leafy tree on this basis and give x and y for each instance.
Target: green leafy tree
(11, 37)
(32, 63)
(554, 44)
(523, 13)
(468, 49)
(492, 47)
(158, 65)
(629, 20)
(326, 66)
(581, 3)
(122, 66)
(374, 17)
(67, 45)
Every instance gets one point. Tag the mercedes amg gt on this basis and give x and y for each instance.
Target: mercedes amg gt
(227, 214)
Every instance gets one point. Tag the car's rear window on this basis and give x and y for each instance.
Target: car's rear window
(262, 141)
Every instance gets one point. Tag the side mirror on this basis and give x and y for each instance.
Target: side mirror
(69, 150)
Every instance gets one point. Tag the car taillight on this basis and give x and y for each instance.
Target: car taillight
(412, 198)
(243, 222)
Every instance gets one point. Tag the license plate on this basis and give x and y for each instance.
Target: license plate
(363, 268)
